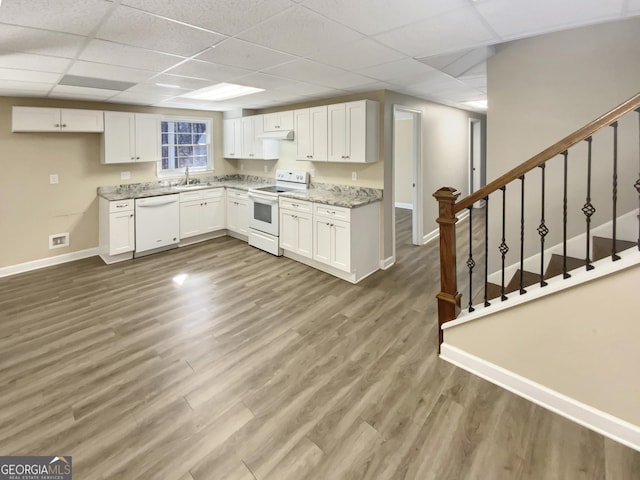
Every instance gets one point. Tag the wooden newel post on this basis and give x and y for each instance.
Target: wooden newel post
(448, 298)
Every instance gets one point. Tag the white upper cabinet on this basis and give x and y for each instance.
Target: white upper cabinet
(277, 121)
(36, 119)
(232, 138)
(130, 137)
(353, 132)
(310, 125)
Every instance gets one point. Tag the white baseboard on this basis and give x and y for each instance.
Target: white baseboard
(601, 422)
(48, 262)
(436, 233)
(387, 262)
(406, 206)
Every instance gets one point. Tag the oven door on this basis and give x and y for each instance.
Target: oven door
(263, 213)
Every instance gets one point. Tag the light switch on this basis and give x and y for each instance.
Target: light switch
(354, 175)
(53, 179)
(125, 175)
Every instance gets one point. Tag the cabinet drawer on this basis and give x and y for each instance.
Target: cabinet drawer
(120, 206)
(297, 205)
(213, 193)
(329, 211)
(233, 193)
(189, 196)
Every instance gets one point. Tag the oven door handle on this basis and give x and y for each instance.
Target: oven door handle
(263, 198)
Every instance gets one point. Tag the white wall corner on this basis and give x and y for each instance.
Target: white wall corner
(48, 262)
(601, 422)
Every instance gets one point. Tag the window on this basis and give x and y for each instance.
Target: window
(185, 142)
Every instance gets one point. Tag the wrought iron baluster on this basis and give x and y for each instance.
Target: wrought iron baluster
(588, 209)
(565, 274)
(543, 230)
(471, 263)
(614, 228)
(637, 184)
(522, 290)
(503, 248)
(486, 250)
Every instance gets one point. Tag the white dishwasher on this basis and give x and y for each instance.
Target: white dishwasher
(157, 223)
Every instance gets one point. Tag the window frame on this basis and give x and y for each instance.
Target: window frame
(175, 172)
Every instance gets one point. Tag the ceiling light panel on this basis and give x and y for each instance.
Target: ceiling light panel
(140, 29)
(222, 91)
(228, 17)
(299, 31)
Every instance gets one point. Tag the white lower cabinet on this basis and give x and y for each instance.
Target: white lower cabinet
(296, 227)
(332, 242)
(237, 211)
(202, 212)
(117, 230)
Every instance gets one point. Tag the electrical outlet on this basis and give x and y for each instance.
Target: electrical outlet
(125, 175)
(53, 179)
(354, 175)
(312, 172)
(58, 240)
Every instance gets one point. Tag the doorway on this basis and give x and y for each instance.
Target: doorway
(476, 154)
(407, 171)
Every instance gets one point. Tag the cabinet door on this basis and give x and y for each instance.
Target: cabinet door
(213, 214)
(118, 141)
(274, 122)
(302, 126)
(336, 118)
(288, 231)
(242, 213)
(76, 120)
(35, 119)
(190, 223)
(147, 137)
(318, 131)
(248, 138)
(341, 245)
(322, 240)
(305, 235)
(121, 232)
(232, 138)
(356, 132)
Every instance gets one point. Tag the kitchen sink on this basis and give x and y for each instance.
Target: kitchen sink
(197, 186)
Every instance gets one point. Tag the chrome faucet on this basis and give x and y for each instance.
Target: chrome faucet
(186, 173)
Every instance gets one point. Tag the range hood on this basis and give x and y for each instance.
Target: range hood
(279, 135)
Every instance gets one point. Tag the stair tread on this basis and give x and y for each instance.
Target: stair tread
(602, 247)
(493, 291)
(555, 265)
(528, 279)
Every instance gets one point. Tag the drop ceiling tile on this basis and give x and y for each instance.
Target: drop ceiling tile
(357, 55)
(299, 31)
(27, 61)
(108, 72)
(224, 16)
(458, 63)
(375, 16)
(451, 31)
(78, 96)
(70, 16)
(133, 27)
(8, 86)
(313, 72)
(101, 51)
(208, 71)
(85, 91)
(371, 86)
(31, 40)
(138, 98)
(398, 71)
(237, 53)
(514, 19)
(266, 81)
(28, 76)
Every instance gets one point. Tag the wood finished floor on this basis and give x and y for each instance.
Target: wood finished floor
(259, 368)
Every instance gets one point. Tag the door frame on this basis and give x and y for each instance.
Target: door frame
(476, 163)
(417, 194)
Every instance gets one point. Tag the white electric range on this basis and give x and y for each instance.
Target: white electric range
(264, 225)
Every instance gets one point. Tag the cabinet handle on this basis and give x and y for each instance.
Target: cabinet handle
(133, 158)
(56, 124)
(131, 215)
(137, 158)
(64, 125)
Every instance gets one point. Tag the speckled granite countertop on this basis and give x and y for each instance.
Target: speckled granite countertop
(337, 195)
(154, 189)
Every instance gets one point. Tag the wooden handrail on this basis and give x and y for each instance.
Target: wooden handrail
(555, 149)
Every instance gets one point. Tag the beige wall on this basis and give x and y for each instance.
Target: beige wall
(544, 88)
(31, 209)
(403, 158)
(569, 342)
